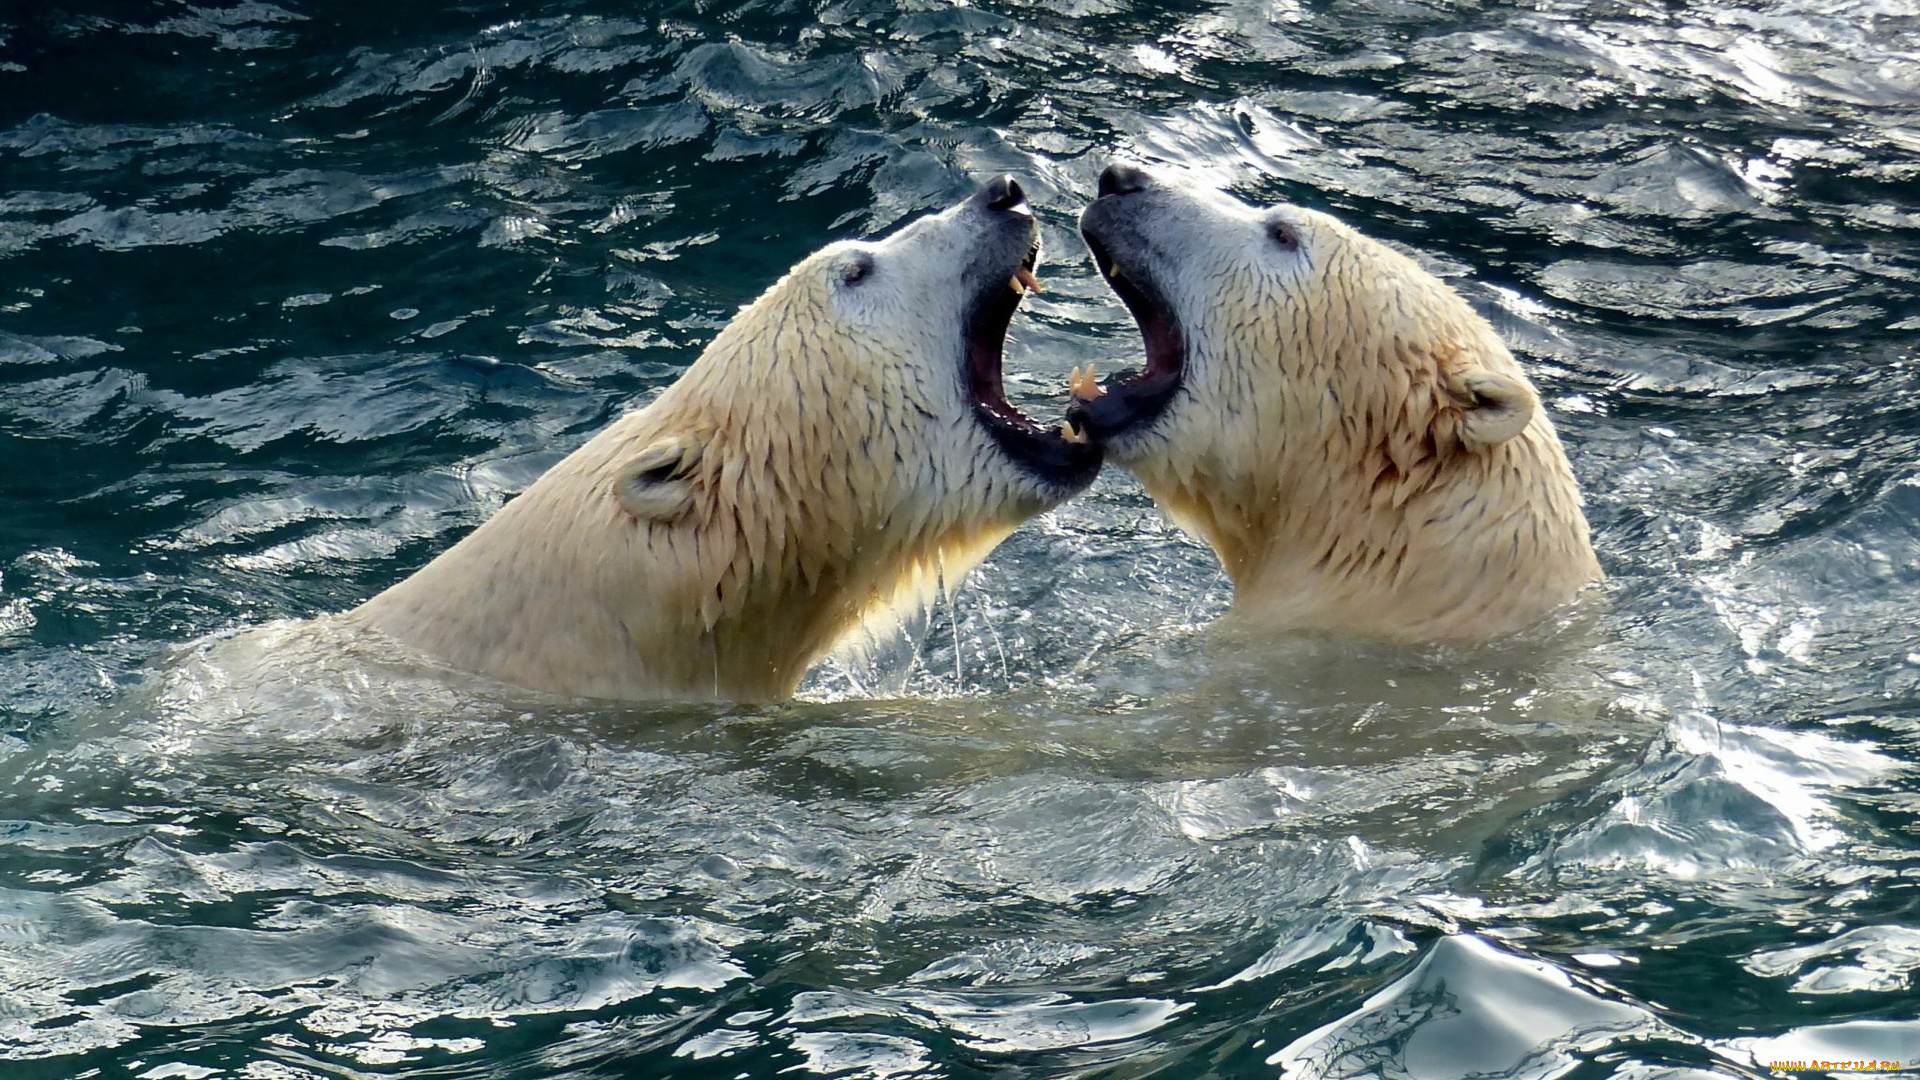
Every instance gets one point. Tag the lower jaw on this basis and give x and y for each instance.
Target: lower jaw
(1060, 467)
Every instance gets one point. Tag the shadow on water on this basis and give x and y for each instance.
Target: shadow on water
(293, 294)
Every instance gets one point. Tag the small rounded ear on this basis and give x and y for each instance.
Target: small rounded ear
(653, 485)
(853, 267)
(1500, 407)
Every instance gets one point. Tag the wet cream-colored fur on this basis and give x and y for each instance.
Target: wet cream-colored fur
(815, 467)
(1355, 442)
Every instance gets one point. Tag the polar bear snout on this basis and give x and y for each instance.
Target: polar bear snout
(1000, 271)
(1005, 247)
(1118, 229)
(1121, 178)
(1003, 193)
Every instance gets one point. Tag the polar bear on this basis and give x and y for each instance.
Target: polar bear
(1353, 440)
(841, 446)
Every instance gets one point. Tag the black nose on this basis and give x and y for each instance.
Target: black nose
(1003, 193)
(1120, 179)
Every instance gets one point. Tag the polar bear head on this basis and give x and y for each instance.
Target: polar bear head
(840, 448)
(1351, 437)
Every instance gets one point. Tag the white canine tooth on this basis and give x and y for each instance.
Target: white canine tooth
(1021, 207)
(1084, 386)
(1071, 434)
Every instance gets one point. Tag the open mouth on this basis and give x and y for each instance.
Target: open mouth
(1059, 455)
(1132, 400)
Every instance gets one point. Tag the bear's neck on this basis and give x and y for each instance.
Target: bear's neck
(563, 591)
(545, 596)
(1463, 554)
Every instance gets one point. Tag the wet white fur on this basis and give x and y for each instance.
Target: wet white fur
(815, 468)
(1355, 442)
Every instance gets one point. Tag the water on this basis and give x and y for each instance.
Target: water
(292, 294)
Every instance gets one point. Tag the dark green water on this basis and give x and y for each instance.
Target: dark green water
(293, 294)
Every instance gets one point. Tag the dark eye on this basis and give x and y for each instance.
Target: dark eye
(1285, 236)
(857, 269)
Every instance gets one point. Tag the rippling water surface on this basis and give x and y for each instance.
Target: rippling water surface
(293, 293)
